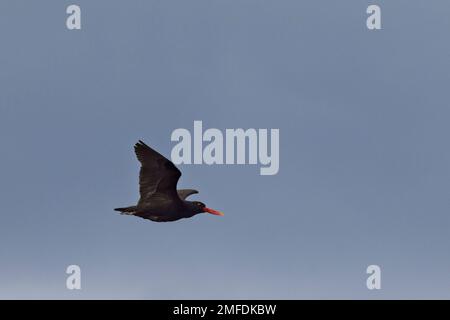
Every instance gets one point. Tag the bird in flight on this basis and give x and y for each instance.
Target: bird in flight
(160, 200)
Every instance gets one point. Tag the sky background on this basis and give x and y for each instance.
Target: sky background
(364, 159)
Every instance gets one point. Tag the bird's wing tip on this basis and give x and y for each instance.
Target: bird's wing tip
(141, 143)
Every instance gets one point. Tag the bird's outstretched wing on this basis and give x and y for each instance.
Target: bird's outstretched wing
(184, 193)
(158, 175)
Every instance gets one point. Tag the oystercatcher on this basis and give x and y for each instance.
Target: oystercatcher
(160, 200)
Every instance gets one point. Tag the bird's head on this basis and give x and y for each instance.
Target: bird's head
(200, 207)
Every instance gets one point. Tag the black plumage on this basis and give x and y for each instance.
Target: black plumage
(159, 198)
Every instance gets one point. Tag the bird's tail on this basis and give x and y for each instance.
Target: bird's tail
(127, 210)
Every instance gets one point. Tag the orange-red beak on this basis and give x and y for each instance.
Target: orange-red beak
(215, 212)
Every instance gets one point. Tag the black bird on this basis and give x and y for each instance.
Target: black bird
(160, 200)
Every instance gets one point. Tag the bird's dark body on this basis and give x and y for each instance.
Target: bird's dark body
(160, 200)
(163, 211)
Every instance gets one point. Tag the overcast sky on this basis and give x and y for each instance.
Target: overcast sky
(364, 155)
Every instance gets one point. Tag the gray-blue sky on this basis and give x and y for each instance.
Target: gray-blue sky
(364, 157)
